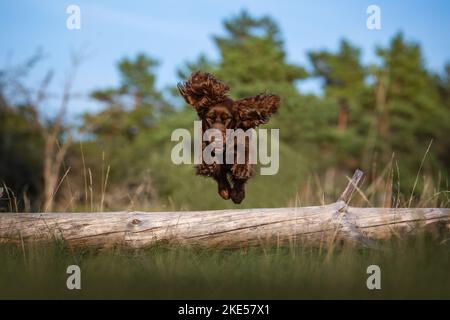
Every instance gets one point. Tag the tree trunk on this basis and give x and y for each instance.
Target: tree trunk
(382, 109)
(343, 114)
(224, 228)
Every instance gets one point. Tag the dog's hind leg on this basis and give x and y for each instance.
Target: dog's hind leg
(238, 190)
(224, 185)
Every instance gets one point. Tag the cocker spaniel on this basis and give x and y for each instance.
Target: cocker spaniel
(208, 96)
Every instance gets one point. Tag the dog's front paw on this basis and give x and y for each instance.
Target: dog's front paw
(224, 189)
(224, 193)
(242, 171)
(208, 170)
(237, 195)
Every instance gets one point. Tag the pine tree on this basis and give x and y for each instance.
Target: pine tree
(253, 58)
(133, 106)
(412, 106)
(343, 78)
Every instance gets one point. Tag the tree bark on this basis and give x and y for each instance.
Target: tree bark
(222, 228)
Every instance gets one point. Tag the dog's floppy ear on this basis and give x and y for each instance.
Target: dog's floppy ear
(253, 111)
(203, 90)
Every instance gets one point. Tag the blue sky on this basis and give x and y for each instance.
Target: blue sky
(177, 31)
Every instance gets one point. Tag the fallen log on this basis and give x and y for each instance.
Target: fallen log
(223, 228)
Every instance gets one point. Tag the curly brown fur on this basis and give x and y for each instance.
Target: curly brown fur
(208, 96)
(203, 90)
(254, 111)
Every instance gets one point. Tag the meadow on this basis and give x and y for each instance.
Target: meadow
(411, 268)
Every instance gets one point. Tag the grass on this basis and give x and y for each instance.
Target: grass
(416, 267)
(412, 267)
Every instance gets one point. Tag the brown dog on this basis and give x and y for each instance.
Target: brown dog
(208, 96)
